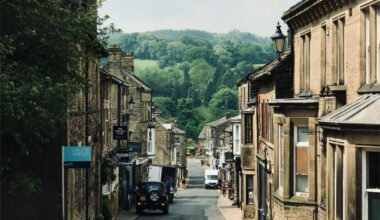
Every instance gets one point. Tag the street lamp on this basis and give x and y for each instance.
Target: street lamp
(131, 103)
(278, 40)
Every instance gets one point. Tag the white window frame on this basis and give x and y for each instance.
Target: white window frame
(295, 145)
(173, 157)
(365, 191)
(151, 142)
(236, 138)
(377, 44)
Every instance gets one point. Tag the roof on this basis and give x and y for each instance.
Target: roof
(360, 113)
(178, 131)
(296, 8)
(218, 122)
(138, 80)
(294, 102)
(267, 69)
(202, 134)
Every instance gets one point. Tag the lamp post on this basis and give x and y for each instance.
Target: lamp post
(278, 40)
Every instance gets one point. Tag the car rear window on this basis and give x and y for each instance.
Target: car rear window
(149, 187)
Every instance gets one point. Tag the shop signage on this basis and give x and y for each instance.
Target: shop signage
(120, 132)
(134, 146)
(229, 157)
(77, 156)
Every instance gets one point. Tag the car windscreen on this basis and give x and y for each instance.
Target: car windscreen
(212, 177)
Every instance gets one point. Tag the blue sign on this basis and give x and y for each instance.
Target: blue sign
(77, 157)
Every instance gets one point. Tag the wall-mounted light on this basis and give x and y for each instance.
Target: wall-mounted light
(278, 40)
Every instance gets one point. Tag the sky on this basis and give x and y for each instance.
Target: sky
(218, 16)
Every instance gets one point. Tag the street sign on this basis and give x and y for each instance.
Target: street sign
(77, 156)
(134, 146)
(120, 132)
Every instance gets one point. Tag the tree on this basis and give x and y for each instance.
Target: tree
(41, 44)
(225, 100)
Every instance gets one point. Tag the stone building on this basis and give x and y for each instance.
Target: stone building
(83, 129)
(212, 140)
(135, 100)
(164, 142)
(317, 147)
(267, 83)
(336, 71)
(180, 144)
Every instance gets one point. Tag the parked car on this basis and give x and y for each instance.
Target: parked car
(152, 196)
(211, 179)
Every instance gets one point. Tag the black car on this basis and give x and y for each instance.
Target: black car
(151, 195)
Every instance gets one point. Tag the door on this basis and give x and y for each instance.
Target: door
(261, 190)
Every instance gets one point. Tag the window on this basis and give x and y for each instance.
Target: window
(176, 140)
(371, 185)
(236, 143)
(337, 165)
(339, 52)
(323, 56)
(372, 45)
(174, 155)
(249, 196)
(301, 159)
(150, 142)
(305, 62)
(281, 151)
(248, 128)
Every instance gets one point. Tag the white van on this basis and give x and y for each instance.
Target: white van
(211, 178)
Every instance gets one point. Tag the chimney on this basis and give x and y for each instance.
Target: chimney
(228, 115)
(128, 62)
(114, 60)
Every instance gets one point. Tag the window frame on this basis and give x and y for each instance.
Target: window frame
(236, 138)
(151, 142)
(364, 189)
(295, 145)
(281, 150)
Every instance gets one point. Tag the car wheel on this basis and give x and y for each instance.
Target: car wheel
(206, 187)
(139, 211)
(171, 200)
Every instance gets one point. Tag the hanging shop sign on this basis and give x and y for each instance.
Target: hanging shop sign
(120, 132)
(229, 157)
(77, 156)
(134, 146)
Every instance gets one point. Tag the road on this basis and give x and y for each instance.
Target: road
(196, 202)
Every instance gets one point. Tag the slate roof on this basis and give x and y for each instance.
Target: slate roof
(178, 131)
(218, 122)
(364, 112)
(267, 69)
(202, 134)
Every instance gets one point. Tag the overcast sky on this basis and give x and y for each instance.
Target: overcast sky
(219, 16)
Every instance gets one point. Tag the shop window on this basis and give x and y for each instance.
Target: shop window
(301, 158)
(249, 196)
(371, 185)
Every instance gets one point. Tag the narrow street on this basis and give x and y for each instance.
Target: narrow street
(195, 202)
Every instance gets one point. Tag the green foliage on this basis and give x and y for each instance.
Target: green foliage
(41, 44)
(223, 101)
(195, 80)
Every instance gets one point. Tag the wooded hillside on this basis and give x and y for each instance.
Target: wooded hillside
(194, 81)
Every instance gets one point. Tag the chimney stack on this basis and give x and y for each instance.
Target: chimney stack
(128, 62)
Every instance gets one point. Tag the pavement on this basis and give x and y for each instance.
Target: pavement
(228, 210)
